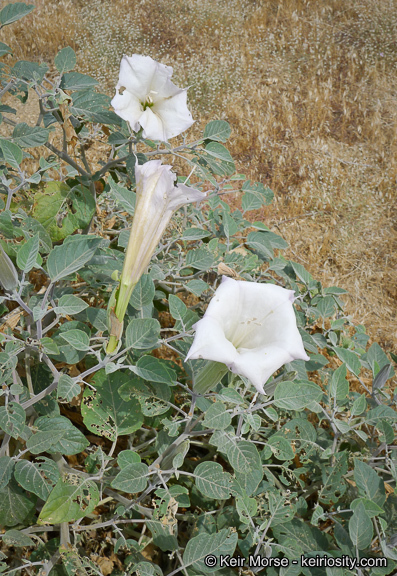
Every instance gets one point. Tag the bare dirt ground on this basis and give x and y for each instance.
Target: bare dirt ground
(310, 90)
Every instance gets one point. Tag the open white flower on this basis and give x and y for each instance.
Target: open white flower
(157, 198)
(250, 327)
(146, 97)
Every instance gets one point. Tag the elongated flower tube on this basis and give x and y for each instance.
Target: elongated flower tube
(249, 327)
(157, 198)
(146, 97)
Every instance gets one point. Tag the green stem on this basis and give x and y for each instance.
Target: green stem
(117, 309)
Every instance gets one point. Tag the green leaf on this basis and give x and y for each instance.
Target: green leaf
(369, 483)
(264, 242)
(49, 346)
(12, 153)
(74, 253)
(27, 254)
(37, 477)
(218, 130)
(77, 81)
(17, 539)
(27, 136)
(4, 49)
(361, 529)
(142, 333)
(178, 309)
(67, 388)
(219, 159)
(246, 508)
(256, 195)
(302, 536)
(370, 507)
(56, 434)
(65, 60)
(68, 305)
(29, 71)
(359, 405)
(296, 395)
(124, 197)
(154, 370)
(377, 359)
(350, 358)
(281, 447)
(12, 419)
(127, 457)
(339, 386)
(6, 468)
(197, 287)
(105, 412)
(132, 478)
(15, 505)
(143, 293)
(301, 272)
(249, 481)
(244, 456)
(76, 338)
(201, 259)
(219, 544)
(333, 483)
(153, 397)
(195, 234)
(162, 536)
(212, 481)
(216, 417)
(63, 210)
(13, 12)
(381, 412)
(70, 502)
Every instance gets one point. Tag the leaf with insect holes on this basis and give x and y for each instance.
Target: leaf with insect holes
(38, 477)
(63, 210)
(12, 419)
(105, 412)
(70, 502)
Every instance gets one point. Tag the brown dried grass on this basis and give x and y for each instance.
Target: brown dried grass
(310, 91)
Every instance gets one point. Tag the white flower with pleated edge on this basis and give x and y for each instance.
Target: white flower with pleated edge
(251, 328)
(146, 97)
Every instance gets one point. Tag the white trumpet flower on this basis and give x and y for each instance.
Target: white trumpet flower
(157, 198)
(251, 328)
(146, 97)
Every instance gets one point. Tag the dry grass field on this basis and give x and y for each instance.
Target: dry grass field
(310, 89)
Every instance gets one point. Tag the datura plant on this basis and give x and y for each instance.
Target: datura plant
(178, 396)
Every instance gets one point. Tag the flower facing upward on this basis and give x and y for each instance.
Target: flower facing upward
(250, 327)
(146, 97)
